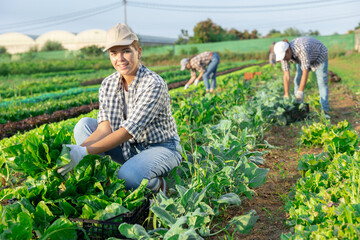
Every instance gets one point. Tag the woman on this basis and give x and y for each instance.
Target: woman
(206, 63)
(134, 123)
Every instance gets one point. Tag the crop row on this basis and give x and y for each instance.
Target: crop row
(19, 87)
(324, 203)
(221, 132)
(48, 68)
(15, 109)
(32, 67)
(217, 131)
(17, 112)
(27, 85)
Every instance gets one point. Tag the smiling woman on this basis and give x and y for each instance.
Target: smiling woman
(134, 123)
(126, 60)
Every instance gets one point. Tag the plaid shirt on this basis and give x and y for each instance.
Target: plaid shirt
(310, 53)
(199, 62)
(149, 118)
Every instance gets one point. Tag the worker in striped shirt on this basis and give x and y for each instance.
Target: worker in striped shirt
(272, 58)
(308, 54)
(206, 64)
(134, 123)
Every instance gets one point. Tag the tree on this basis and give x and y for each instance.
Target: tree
(52, 46)
(92, 51)
(292, 32)
(238, 35)
(207, 31)
(273, 33)
(246, 35)
(254, 34)
(183, 37)
(3, 50)
(235, 34)
(313, 33)
(358, 26)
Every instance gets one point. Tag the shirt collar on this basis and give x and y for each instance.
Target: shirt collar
(136, 79)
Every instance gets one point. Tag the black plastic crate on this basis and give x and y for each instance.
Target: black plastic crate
(298, 113)
(103, 229)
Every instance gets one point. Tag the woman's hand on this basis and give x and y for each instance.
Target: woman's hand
(77, 153)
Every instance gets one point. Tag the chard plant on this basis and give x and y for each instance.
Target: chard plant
(325, 202)
(218, 135)
(92, 191)
(338, 138)
(221, 173)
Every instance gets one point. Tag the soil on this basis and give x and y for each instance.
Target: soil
(10, 128)
(269, 200)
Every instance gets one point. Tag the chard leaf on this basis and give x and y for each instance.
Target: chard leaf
(94, 202)
(115, 189)
(27, 205)
(62, 136)
(61, 229)
(68, 209)
(97, 185)
(110, 211)
(64, 157)
(19, 228)
(87, 212)
(135, 198)
(43, 216)
(47, 155)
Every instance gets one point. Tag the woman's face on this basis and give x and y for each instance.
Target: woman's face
(125, 59)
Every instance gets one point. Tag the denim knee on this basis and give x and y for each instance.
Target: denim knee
(132, 178)
(84, 128)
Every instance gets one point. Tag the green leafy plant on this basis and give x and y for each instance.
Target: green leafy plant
(52, 46)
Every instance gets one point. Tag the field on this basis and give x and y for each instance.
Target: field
(255, 165)
(334, 43)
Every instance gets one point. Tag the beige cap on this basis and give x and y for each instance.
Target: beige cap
(119, 35)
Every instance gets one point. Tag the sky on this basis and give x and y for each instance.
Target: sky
(165, 18)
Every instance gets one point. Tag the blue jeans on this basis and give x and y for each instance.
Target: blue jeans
(211, 70)
(149, 161)
(321, 76)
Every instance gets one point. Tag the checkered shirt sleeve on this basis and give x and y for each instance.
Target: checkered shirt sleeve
(199, 63)
(310, 53)
(149, 110)
(108, 90)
